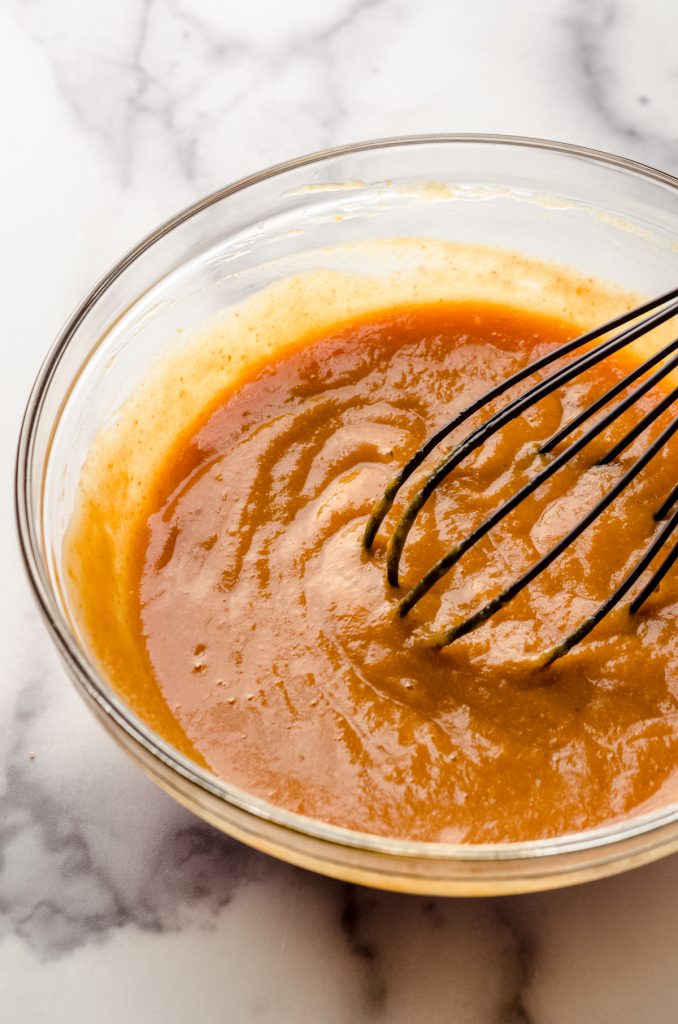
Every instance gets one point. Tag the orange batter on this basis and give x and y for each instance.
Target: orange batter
(271, 638)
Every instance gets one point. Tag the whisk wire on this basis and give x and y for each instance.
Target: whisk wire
(640, 426)
(652, 584)
(592, 621)
(448, 636)
(511, 411)
(385, 503)
(605, 399)
(627, 328)
(667, 505)
(445, 564)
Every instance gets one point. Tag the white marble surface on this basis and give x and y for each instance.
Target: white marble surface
(115, 904)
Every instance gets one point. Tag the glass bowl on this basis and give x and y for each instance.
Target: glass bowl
(608, 217)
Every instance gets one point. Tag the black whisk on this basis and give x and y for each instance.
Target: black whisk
(649, 315)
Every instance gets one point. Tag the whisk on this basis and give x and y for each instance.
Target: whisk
(623, 331)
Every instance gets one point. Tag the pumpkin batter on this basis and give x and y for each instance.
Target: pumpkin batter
(216, 575)
(273, 638)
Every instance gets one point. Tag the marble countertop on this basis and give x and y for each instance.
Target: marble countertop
(116, 904)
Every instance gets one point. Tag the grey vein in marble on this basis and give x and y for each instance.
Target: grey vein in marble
(628, 95)
(55, 891)
(149, 87)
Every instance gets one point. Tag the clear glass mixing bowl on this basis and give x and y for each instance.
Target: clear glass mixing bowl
(606, 216)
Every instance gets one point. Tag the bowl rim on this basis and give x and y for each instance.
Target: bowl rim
(92, 683)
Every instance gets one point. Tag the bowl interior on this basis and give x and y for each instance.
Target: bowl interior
(607, 218)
